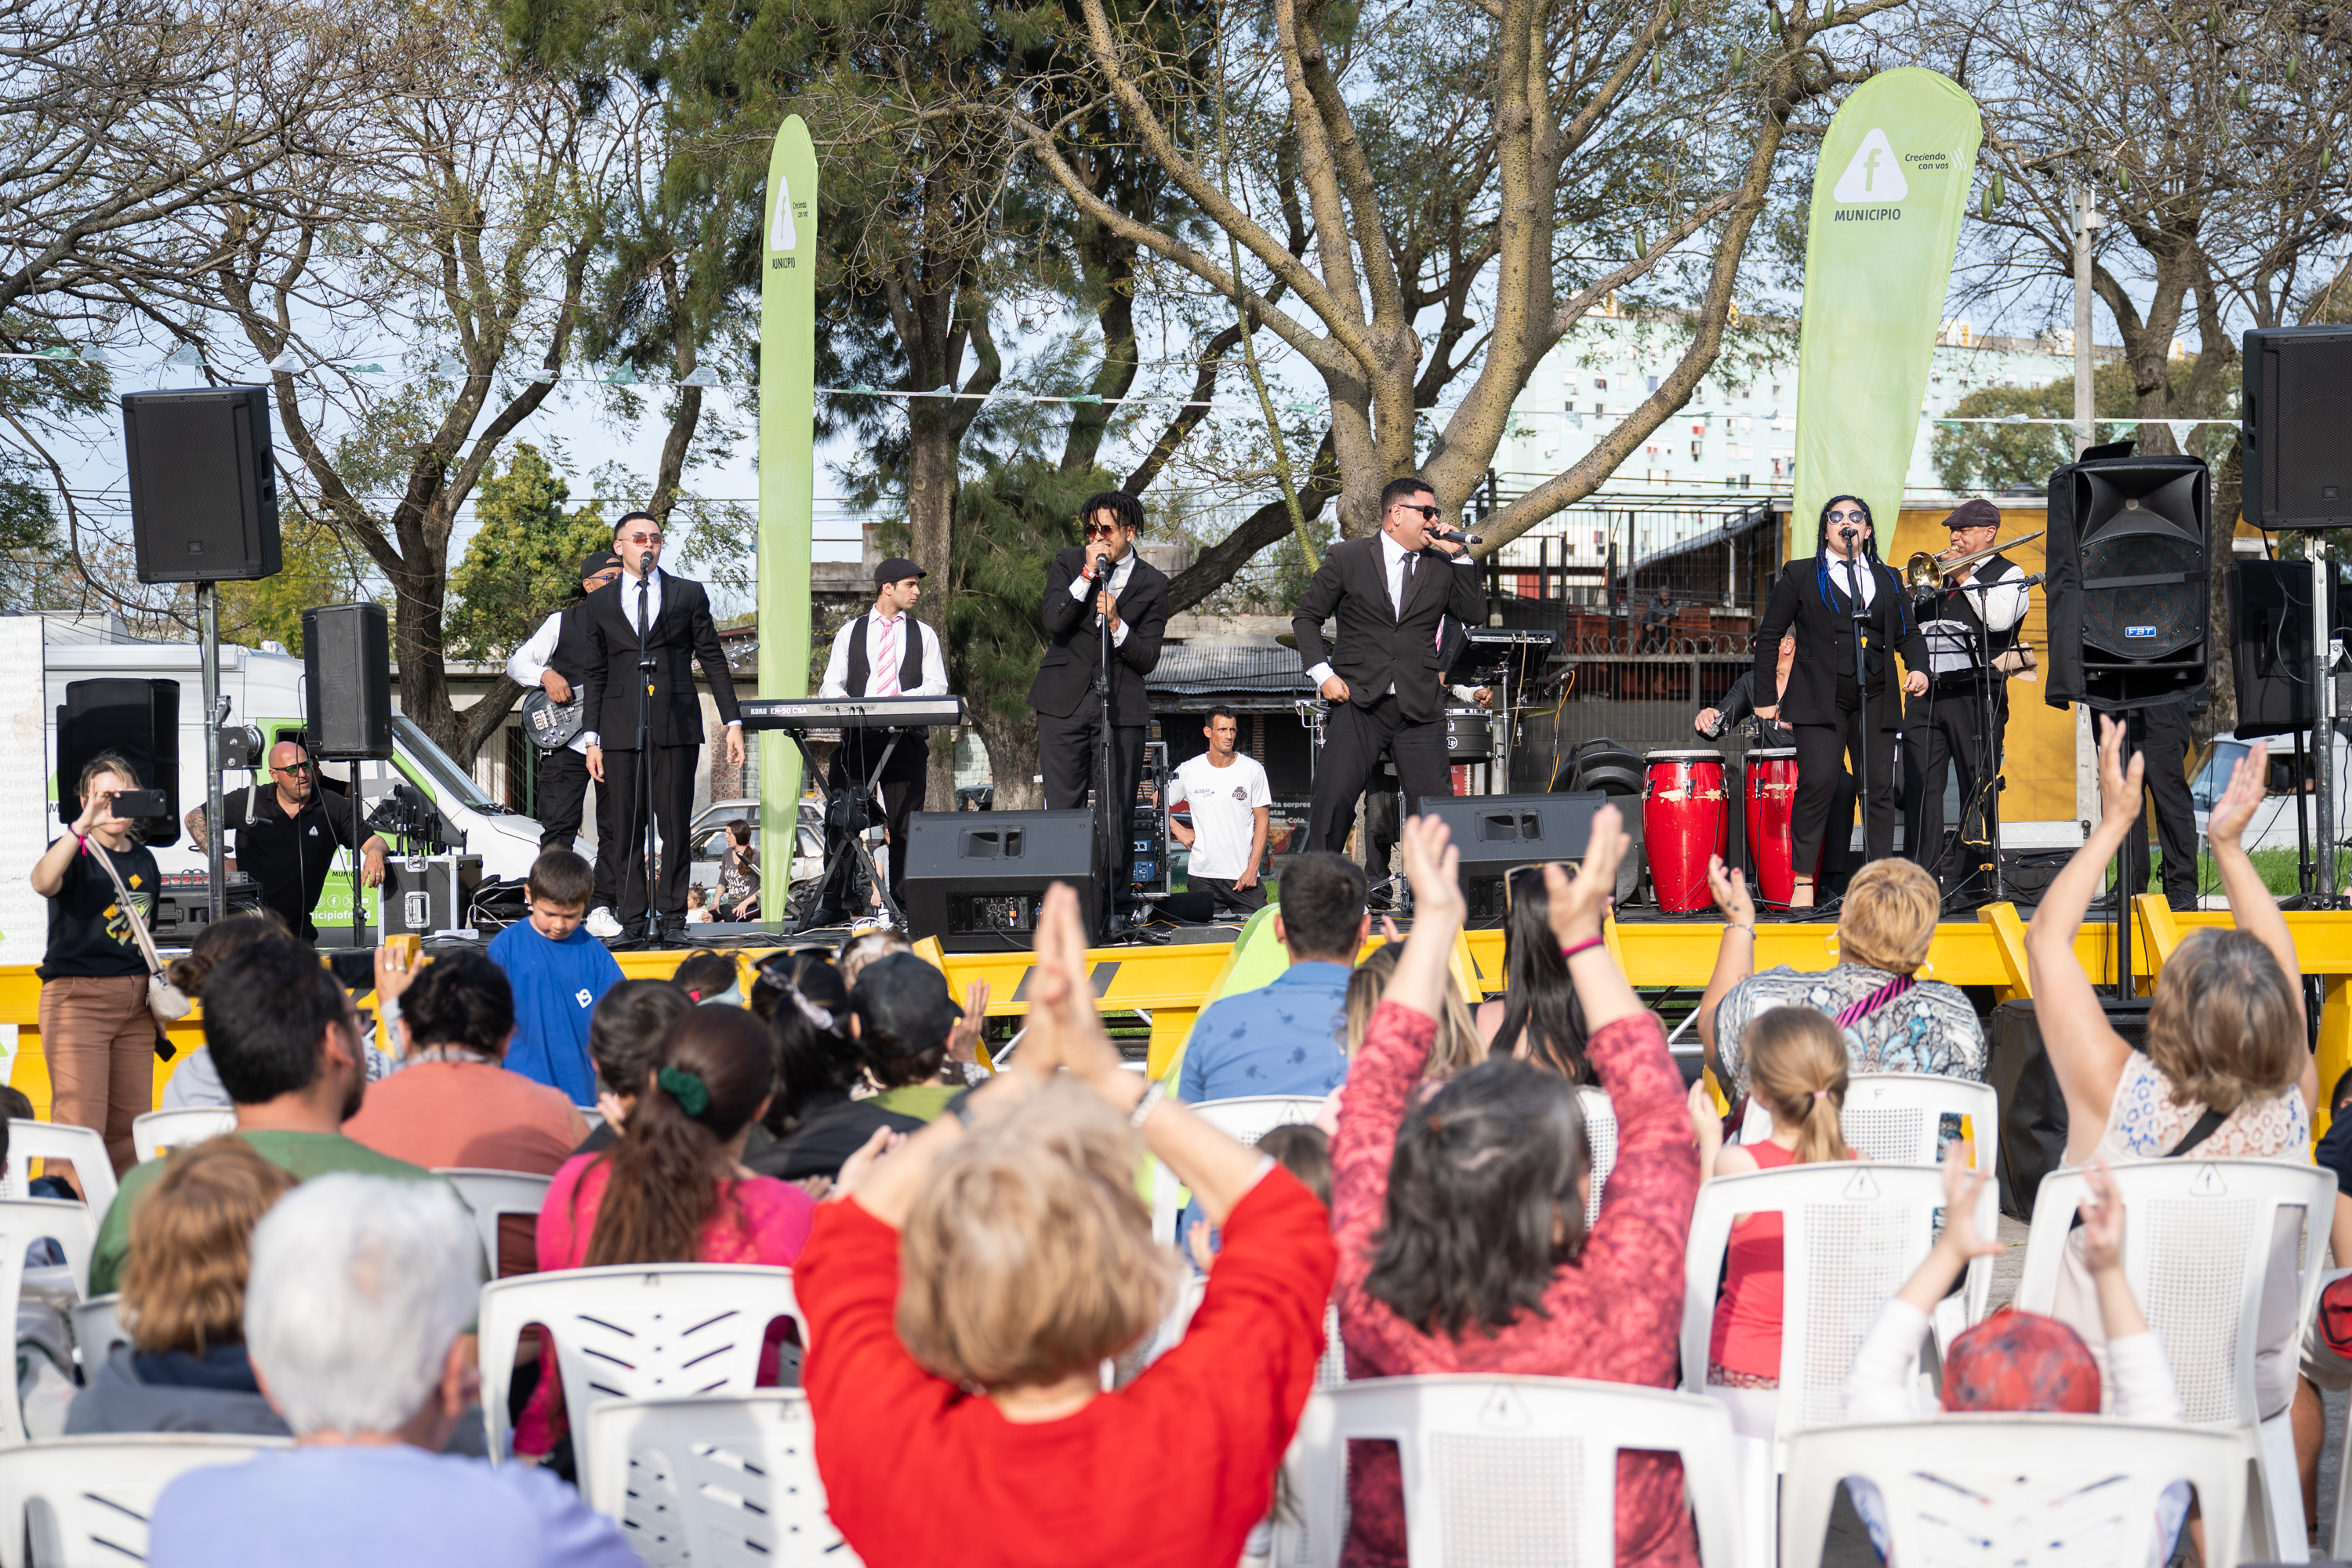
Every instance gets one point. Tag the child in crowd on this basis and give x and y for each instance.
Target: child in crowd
(902, 1017)
(1458, 1046)
(707, 976)
(558, 970)
(1796, 1067)
(866, 947)
(2016, 1361)
(625, 1035)
(1302, 1149)
(698, 911)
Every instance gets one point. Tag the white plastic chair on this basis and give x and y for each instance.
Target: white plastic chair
(158, 1133)
(1601, 1141)
(97, 1329)
(1853, 1232)
(2197, 1237)
(85, 1501)
(81, 1147)
(719, 1482)
(2014, 1491)
(634, 1332)
(1894, 1117)
(72, 1225)
(1248, 1118)
(493, 1194)
(1506, 1470)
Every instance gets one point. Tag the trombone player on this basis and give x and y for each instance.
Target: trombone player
(1946, 725)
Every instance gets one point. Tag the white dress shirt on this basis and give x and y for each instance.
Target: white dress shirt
(1120, 571)
(835, 684)
(1951, 641)
(1392, 558)
(528, 662)
(1853, 576)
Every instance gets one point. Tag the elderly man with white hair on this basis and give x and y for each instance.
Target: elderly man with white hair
(355, 1319)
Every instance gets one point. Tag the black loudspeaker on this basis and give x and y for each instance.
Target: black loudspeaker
(975, 878)
(2130, 611)
(140, 719)
(347, 696)
(2270, 642)
(204, 491)
(2033, 1108)
(1498, 833)
(2297, 405)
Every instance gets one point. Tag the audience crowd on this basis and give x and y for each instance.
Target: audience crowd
(1001, 1362)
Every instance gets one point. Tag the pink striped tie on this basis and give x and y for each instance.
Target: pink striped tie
(886, 661)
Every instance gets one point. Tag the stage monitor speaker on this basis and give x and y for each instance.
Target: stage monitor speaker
(139, 719)
(2129, 601)
(347, 689)
(2032, 1110)
(2270, 642)
(2297, 404)
(204, 490)
(1499, 833)
(975, 878)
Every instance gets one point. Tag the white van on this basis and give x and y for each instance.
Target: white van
(265, 690)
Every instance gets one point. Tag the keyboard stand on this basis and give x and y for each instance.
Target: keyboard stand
(855, 801)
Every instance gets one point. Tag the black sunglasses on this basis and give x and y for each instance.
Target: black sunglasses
(1429, 513)
(296, 768)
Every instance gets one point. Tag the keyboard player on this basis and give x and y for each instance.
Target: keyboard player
(885, 652)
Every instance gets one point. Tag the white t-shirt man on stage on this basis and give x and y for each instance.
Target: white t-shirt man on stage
(1230, 797)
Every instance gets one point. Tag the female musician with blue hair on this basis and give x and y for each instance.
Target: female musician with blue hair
(1841, 699)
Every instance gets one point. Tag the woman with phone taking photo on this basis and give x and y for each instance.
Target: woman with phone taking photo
(97, 1033)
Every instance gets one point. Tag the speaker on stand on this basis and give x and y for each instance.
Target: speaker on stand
(204, 509)
(2295, 401)
(347, 704)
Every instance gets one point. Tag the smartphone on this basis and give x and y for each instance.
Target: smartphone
(132, 804)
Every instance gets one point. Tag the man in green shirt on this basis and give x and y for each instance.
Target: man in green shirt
(286, 1040)
(901, 1015)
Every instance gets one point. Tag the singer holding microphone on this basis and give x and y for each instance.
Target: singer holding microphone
(1390, 592)
(1850, 616)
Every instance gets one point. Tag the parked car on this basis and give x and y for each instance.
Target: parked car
(708, 836)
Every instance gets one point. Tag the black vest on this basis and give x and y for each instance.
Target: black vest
(911, 667)
(1968, 609)
(571, 657)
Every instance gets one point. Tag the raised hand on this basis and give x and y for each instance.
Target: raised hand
(1433, 865)
(2103, 1220)
(1962, 1187)
(2119, 783)
(1580, 902)
(1064, 1028)
(1729, 886)
(2226, 824)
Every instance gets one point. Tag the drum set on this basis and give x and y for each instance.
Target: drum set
(1686, 797)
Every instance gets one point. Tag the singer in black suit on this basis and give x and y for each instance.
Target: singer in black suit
(1390, 594)
(1840, 706)
(646, 635)
(1105, 576)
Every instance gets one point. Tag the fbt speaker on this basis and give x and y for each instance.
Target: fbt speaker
(140, 719)
(2127, 591)
(1499, 833)
(2297, 404)
(203, 492)
(2270, 642)
(347, 692)
(975, 878)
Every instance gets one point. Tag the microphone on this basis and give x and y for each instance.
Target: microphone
(1455, 536)
(1847, 534)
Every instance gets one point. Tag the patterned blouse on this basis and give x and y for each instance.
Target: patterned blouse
(1930, 1028)
(2144, 1124)
(1613, 1314)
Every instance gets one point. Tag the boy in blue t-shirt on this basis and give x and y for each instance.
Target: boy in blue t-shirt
(558, 970)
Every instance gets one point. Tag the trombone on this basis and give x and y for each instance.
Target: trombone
(1924, 574)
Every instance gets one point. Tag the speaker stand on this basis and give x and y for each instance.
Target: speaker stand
(216, 715)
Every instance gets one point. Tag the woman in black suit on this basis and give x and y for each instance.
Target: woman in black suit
(1834, 702)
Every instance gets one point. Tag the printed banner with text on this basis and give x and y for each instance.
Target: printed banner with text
(787, 480)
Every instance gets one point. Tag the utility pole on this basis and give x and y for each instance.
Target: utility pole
(2086, 218)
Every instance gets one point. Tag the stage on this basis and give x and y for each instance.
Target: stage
(1166, 986)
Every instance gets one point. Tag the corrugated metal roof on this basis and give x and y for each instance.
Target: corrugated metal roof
(1205, 669)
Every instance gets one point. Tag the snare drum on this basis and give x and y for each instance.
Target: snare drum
(1469, 735)
(1684, 819)
(1771, 796)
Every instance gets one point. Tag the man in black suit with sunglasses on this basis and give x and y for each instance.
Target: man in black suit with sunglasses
(1390, 592)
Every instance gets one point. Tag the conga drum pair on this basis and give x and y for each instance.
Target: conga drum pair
(1771, 810)
(1686, 818)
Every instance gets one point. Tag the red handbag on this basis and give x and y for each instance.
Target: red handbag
(2335, 1316)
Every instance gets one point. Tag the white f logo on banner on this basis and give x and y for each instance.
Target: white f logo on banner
(783, 236)
(1873, 175)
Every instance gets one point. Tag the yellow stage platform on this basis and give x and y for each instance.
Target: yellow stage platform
(1168, 984)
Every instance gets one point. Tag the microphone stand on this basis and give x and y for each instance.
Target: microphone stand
(650, 855)
(1857, 568)
(1112, 812)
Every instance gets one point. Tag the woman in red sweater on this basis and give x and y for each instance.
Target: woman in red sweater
(964, 1293)
(1461, 1227)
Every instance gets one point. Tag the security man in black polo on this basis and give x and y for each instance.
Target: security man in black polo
(287, 837)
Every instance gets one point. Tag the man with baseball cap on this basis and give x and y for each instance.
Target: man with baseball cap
(901, 1015)
(885, 652)
(555, 660)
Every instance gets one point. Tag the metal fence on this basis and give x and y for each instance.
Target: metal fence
(1644, 701)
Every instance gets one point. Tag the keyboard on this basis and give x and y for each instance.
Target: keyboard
(850, 713)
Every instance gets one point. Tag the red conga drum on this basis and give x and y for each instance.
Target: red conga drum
(1771, 805)
(1684, 819)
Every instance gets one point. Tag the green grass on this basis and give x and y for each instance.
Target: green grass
(2278, 868)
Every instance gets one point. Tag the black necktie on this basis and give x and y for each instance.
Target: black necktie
(1404, 594)
(642, 586)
